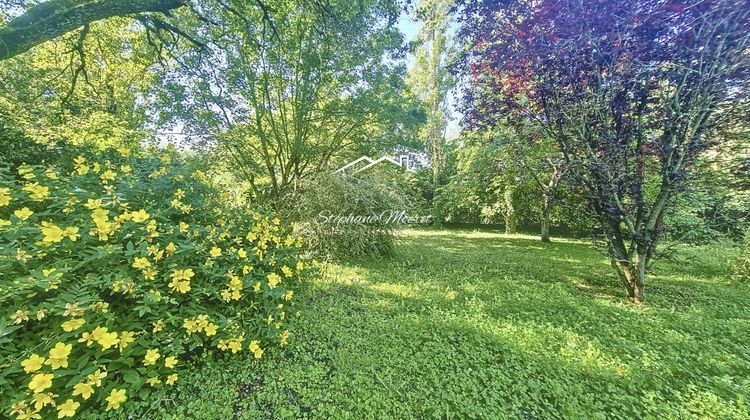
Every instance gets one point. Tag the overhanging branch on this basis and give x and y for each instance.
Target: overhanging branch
(51, 19)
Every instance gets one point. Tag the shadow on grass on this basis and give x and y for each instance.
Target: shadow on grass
(483, 325)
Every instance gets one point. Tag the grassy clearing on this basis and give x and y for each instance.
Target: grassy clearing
(477, 324)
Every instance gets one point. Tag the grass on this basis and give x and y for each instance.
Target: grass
(466, 324)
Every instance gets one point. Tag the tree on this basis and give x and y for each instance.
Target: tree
(279, 101)
(78, 91)
(431, 79)
(631, 91)
(546, 167)
(51, 19)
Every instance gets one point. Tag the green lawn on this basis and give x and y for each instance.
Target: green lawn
(476, 324)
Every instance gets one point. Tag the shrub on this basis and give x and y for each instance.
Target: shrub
(115, 270)
(331, 195)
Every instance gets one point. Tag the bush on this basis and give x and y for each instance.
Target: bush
(331, 195)
(117, 269)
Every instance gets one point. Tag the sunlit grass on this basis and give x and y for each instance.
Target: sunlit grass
(480, 324)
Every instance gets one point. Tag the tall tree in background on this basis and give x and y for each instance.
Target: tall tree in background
(544, 165)
(431, 80)
(631, 91)
(281, 100)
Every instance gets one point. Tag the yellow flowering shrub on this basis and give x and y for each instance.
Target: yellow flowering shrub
(115, 269)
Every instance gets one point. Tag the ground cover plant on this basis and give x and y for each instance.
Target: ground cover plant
(465, 324)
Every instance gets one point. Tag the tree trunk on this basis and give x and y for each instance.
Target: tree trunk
(547, 203)
(633, 276)
(511, 219)
(437, 209)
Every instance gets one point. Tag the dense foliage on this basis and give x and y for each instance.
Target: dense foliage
(631, 91)
(353, 216)
(122, 267)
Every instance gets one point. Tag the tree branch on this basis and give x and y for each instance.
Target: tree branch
(51, 19)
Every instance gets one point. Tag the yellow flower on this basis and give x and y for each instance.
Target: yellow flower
(288, 295)
(210, 330)
(171, 248)
(115, 398)
(126, 169)
(96, 377)
(190, 326)
(151, 229)
(67, 409)
(73, 324)
(19, 316)
(4, 196)
(170, 362)
(100, 216)
(171, 379)
(71, 309)
(80, 165)
(140, 216)
(36, 192)
(52, 233)
(226, 295)
(180, 286)
(108, 175)
(236, 344)
(28, 414)
(72, 233)
(33, 363)
(108, 340)
(158, 325)
(149, 274)
(98, 333)
(126, 338)
(287, 271)
(93, 204)
(284, 338)
(40, 382)
(23, 213)
(151, 357)
(51, 174)
(153, 381)
(83, 389)
(4, 222)
(273, 280)
(58, 356)
(100, 306)
(255, 349)
(22, 255)
(185, 274)
(42, 399)
(241, 253)
(141, 262)
(215, 251)
(184, 227)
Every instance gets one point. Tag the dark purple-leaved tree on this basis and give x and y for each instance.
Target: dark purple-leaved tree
(631, 91)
